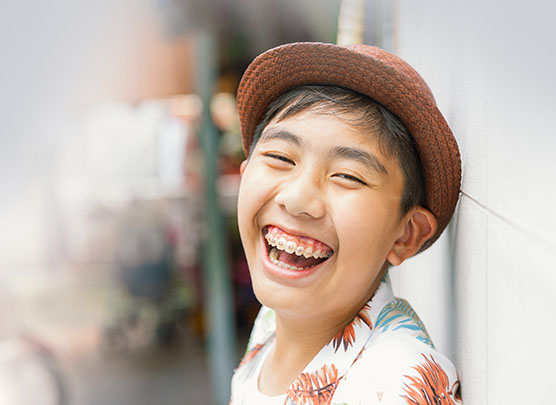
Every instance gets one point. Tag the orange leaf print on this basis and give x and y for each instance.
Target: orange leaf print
(250, 354)
(346, 336)
(431, 387)
(315, 388)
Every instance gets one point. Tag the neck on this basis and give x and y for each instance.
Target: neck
(297, 343)
(303, 339)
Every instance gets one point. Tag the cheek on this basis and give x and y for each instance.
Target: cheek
(364, 225)
(253, 195)
(244, 209)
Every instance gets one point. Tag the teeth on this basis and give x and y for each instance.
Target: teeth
(273, 255)
(290, 247)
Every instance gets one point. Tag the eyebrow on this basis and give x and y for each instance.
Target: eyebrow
(280, 134)
(344, 152)
(360, 156)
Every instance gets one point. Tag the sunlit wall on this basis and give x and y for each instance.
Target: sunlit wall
(491, 66)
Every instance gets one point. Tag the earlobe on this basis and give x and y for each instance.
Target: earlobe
(420, 226)
(242, 167)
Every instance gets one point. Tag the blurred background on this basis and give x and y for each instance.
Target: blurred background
(122, 278)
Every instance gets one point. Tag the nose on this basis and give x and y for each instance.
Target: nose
(302, 195)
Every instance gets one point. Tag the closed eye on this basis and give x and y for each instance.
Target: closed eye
(351, 178)
(280, 157)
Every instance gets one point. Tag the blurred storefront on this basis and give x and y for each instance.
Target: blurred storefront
(121, 178)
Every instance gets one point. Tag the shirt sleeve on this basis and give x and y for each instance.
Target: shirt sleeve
(400, 370)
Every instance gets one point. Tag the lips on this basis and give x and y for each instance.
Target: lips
(294, 252)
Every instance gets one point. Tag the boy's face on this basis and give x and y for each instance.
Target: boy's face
(320, 183)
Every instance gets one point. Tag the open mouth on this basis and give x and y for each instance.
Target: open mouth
(294, 252)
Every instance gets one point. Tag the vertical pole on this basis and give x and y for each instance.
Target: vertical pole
(351, 22)
(219, 304)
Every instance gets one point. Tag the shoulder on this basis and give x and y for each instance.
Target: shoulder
(399, 364)
(261, 336)
(397, 368)
(398, 318)
(263, 330)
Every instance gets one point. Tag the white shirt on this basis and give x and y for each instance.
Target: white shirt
(384, 356)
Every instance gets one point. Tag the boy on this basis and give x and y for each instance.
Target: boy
(351, 168)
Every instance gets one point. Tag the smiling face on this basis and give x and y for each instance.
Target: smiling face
(316, 186)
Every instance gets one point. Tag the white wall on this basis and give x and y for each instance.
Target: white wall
(491, 65)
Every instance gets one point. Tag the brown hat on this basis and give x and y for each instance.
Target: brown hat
(377, 74)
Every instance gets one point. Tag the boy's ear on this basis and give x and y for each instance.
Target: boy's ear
(420, 226)
(242, 167)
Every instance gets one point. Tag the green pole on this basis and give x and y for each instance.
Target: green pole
(218, 298)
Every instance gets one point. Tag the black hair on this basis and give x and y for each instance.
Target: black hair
(361, 111)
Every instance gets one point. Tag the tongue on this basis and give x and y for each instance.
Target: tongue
(298, 261)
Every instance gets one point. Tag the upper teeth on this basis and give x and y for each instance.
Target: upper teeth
(291, 247)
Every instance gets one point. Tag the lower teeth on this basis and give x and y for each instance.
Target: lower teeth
(273, 256)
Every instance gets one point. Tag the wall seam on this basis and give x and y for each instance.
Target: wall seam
(532, 235)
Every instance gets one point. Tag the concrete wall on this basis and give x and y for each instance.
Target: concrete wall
(487, 289)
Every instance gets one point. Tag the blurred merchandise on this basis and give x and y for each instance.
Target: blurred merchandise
(104, 207)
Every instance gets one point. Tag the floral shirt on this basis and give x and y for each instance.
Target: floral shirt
(384, 356)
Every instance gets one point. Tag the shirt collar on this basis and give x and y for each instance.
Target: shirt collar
(334, 360)
(343, 349)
